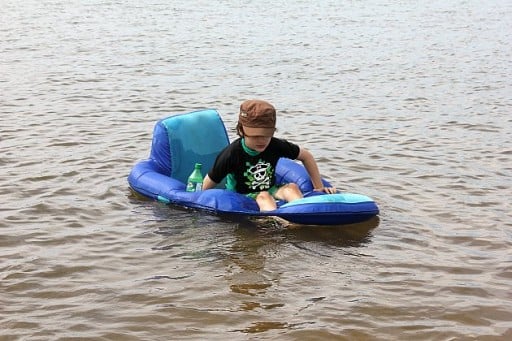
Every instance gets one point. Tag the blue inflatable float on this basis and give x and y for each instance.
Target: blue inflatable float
(182, 140)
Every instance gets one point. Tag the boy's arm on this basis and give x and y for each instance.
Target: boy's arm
(208, 183)
(309, 162)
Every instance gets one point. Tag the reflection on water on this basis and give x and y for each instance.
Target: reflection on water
(261, 238)
(407, 103)
(353, 235)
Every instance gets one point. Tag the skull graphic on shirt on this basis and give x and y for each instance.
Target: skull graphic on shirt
(259, 175)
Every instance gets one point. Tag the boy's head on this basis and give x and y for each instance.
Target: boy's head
(256, 116)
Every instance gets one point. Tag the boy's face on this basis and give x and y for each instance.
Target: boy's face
(258, 138)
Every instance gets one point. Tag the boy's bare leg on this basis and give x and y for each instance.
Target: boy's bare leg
(289, 192)
(266, 202)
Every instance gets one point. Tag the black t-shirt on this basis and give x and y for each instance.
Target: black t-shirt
(249, 173)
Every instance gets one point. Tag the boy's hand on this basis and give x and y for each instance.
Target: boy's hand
(328, 190)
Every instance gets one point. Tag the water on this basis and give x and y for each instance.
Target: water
(406, 102)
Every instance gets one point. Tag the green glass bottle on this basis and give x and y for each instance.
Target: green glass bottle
(195, 180)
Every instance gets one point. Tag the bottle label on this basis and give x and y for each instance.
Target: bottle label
(194, 186)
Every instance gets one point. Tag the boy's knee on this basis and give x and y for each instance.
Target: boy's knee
(290, 192)
(265, 201)
(264, 196)
(293, 187)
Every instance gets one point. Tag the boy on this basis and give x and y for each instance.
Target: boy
(249, 162)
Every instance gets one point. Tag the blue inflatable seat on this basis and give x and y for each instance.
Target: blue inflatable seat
(181, 141)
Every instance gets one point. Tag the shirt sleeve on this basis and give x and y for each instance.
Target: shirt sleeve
(222, 166)
(288, 149)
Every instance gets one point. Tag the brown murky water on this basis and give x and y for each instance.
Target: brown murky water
(409, 103)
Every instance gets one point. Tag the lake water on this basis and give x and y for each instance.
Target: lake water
(407, 102)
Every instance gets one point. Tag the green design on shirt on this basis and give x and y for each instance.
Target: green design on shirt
(259, 175)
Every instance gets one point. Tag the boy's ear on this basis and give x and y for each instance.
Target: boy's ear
(240, 129)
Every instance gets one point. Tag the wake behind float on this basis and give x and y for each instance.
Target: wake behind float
(180, 141)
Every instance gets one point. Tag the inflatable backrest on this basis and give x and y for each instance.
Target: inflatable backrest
(181, 141)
